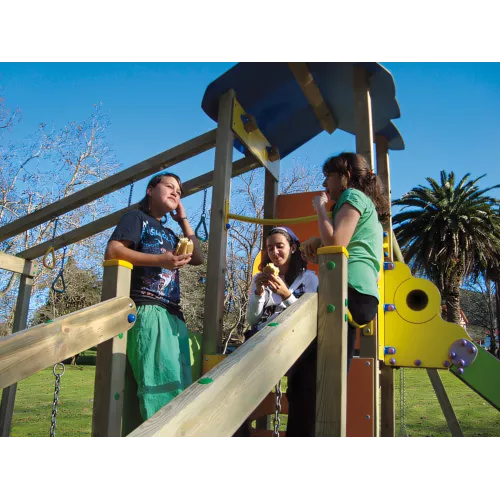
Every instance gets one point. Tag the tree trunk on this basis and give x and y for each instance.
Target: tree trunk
(497, 302)
(452, 298)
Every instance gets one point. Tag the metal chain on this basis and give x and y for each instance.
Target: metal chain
(130, 195)
(56, 397)
(55, 229)
(403, 431)
(204, 212)
(277, 410)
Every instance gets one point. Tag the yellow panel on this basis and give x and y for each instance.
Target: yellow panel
(425, 340)
(117, 262)
(211, 360)
(254, 141)
(380, 314)
(324, 250)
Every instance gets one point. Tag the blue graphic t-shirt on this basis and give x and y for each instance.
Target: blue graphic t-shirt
(151, 285)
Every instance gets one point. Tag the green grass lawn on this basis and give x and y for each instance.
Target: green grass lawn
(32, 412)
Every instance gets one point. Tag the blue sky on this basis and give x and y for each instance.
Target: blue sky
(450, 113)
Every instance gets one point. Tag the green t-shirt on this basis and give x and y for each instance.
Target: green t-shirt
(365, 247)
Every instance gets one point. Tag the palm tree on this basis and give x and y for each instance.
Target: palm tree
(448, 231)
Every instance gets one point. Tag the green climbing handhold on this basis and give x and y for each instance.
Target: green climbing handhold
(273, 324)
(50, 321)
(120, 335)
(346, 302)
(346, 318)
(330, 265)
(205, 380)
(117, 396)
(330, 308)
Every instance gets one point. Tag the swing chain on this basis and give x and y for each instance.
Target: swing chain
(130, 194)
(277, 410)
(56, 397)
(403, 431)
(55, 229)
(204, 210)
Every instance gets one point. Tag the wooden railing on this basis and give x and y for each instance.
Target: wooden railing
(27, 352)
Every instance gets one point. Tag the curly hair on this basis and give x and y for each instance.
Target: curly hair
(360, 177)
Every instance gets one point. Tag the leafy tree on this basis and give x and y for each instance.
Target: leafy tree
(448, 230)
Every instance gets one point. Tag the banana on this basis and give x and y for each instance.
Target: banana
(184, 246)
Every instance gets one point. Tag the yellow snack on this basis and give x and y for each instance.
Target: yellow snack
(184, 246)
(271, 269)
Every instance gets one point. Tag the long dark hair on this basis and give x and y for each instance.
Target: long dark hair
(297, 263)
(144, 204)
(361, 177)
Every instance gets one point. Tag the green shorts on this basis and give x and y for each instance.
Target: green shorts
(159, 356)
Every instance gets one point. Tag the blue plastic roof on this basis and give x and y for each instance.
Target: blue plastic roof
(270, 92)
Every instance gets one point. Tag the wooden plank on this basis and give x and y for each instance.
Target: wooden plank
(313, 95)
(363, 114)
(360, 398)
(444, 402)
(112, 183)
(18, 265)
(331, 379)
(216, 261)
(364, 146)
(20, 321)
(29, 351)
(241, 381)
(383, 172)
(387, 397)
(109, 385)
(271, 186)
(190, 187)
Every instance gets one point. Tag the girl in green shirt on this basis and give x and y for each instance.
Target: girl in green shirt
(359, 208)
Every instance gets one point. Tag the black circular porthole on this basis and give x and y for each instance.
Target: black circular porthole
(417, 300)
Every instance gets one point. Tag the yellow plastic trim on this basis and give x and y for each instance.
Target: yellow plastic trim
(324, 250)
(265, 222)
(210, 361)
(49, 251)
(117, 262)
(352, 322)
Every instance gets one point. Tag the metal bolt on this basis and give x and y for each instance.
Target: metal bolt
(417, 362)
(453, 355)
(367, 331)
(446, 364)
(464, 342)
(461, 362)
(368, 417)
(368, 363)
(131, 305)
(460, 371)
(392, 361)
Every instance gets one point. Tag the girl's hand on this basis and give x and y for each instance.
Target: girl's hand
(320, 202)
(277, 285)
(173, 262)
(261, 281)
(179, 214)
(309, 249)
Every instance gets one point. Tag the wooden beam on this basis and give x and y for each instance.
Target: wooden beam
(29, 351)
(331, 379)
(18, 265)
(444, 402)
(363, 114)
(271, 186)
(20, 321)
(135, 173)
(387, 396)
(364, 146)
(109, 385)
(239, 383)
(216, 261)
(190, 187)
(313, 95)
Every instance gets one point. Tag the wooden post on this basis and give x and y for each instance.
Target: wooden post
(111, 358)
(216, 266)
(20, 321)
(387, 397)
(364, 146)
(270, 196)
(331, 379)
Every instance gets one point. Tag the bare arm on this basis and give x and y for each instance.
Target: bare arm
(120, 250)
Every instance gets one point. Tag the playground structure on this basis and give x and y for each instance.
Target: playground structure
(265, 120)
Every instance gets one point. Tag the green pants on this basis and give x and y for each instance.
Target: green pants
(159, 357)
